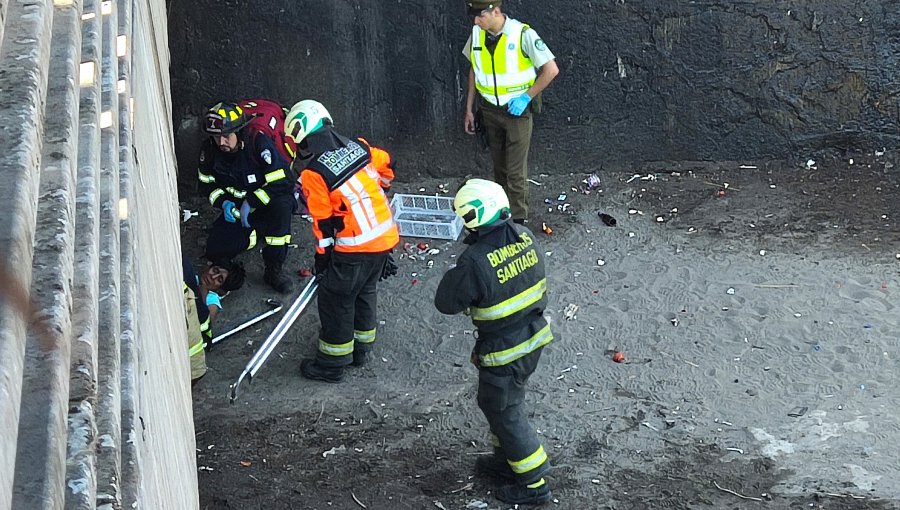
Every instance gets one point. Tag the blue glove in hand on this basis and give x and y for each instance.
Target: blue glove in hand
(228, 211)
(245, 214)
(517, 105)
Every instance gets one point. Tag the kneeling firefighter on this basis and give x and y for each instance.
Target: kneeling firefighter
(344, 181)
(499, 280)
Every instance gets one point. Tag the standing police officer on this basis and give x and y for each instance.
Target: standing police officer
(245, 175)
(511, 66)
(344, 181)
(499, 281)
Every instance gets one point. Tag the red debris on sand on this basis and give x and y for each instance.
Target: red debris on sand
(304, 272)
(618, 357)
(422, 246)
(721, 193)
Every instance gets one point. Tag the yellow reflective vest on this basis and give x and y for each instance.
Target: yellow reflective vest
(505, 73)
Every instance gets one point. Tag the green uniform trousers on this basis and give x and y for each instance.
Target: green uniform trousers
(510, 138)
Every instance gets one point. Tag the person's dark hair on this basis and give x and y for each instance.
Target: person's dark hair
(236, 274)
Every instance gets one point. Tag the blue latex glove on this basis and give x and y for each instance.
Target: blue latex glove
(245, 214)
(228, 211)
(517, 105)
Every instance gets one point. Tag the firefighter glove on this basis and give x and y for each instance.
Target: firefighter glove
(322, 262)
(390, 268)
(517, 105)
(245, 214)
(228, 211)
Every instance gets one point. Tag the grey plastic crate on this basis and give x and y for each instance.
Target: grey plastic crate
(426, 216)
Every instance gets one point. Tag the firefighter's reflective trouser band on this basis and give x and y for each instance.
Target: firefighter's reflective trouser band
(347, 300)
(501, 397)
(195, 336)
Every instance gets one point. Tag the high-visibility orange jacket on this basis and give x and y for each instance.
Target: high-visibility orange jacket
(344, 182)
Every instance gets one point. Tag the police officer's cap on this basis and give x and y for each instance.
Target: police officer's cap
(477, 6)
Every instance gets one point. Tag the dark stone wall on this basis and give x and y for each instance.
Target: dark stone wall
(641, 80)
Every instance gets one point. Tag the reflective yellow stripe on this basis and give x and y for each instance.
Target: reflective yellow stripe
(274, 176)
(499, 358)
(512, 305)
(364, 337)
(206, 179)
(252, 242)
(216, 193)
(289, 150)
(197, 348)
(262, 196)
(537, 484)
(236, 193)
(278, 241)
(529, 463)
(336, 349)
(204, 326)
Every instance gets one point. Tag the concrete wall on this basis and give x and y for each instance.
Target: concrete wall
(641, 79)
(94, 382)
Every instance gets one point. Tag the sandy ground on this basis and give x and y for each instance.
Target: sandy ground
(759, 330)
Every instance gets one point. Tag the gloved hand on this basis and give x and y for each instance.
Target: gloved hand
(228, 211)
(517, 105)
(390, 268)
(245, 214)
(322, 261)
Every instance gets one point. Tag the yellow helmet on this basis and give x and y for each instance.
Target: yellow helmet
(305, 118)
(481, 202)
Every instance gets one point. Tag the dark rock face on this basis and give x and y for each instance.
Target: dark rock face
(641, 80)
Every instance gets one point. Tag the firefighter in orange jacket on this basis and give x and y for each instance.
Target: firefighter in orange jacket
(344, 181)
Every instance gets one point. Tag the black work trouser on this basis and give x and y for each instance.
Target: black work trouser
(347, 300)
(270, 226)
(501, 397)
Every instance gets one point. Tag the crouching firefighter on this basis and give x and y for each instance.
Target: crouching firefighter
(344, 181)
(244, 174)
(499, 281)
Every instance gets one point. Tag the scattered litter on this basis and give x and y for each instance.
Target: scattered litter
(633, 177)
(439, 505)
(246, 463)
(609, 221)
(651, 427)
(562, 197)
(571, 311)
(631, 234)
(592, 182)
(810, 164)
(618, 357)
(422, 247)
(691, 230)
(797, 412)
(547, 230)
(762, 252)
(465, 487)
(476, 504)
(421, 190)
(632, 211)
(333, 451)
(660, 219)
(674, 321)
(532, 181)
(747, 167)
(358, 502)
(730, 291)
(734, 493)
(601, 262)
(188, 214)
(434, 251)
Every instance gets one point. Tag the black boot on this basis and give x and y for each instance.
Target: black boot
(494, 466)
(525, 494)
(360, 358)
(312, 370)
(276, 280)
